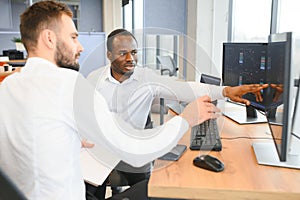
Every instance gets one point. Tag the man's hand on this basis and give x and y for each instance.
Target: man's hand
(236, 93)
(85, 144)
(199, 111)
(278, 91)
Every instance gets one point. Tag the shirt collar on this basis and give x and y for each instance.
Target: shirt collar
(110, 78)
(33, 62)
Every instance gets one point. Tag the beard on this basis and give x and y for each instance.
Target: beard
(125, 74)
(64, 57)
(128, 73)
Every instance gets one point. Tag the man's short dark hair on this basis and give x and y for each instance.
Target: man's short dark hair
(115, 33)
(41, 15)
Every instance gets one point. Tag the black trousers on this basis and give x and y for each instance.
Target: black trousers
(129, 178)
(95, 193)
(135, 192)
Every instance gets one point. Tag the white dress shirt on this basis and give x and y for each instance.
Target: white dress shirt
(45, 111)
(132, 99)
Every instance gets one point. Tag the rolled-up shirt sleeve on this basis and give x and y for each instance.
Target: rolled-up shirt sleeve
(170, 88)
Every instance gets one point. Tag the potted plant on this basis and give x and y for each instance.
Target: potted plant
(18, 43)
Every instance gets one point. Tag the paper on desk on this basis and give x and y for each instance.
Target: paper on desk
(93, 171)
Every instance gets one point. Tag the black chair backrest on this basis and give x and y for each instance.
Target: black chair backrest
(205, 78)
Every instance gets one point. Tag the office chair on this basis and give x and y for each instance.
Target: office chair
(116, 180)
(167, 65)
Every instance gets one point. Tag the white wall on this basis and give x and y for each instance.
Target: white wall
(112, 15)
(220, 33)
(212, 26)
(191, 41)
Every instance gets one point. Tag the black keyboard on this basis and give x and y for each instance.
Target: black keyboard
(206, 136)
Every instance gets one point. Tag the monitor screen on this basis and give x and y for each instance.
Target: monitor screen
(245, 63)
(249, 63)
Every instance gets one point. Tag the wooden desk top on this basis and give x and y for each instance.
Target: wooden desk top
(18, 61)
(242, 177)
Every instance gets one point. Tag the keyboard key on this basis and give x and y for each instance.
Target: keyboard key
(206, 136)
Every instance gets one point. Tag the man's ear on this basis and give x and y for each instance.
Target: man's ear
(49, 38)
(109, 55)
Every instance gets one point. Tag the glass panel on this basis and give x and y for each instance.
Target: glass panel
(162, 45)
(150, 50)
(166, 45)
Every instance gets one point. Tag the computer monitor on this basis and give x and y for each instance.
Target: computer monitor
(244, 63)
(279, 77)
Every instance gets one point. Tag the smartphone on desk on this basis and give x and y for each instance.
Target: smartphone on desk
(175, 153)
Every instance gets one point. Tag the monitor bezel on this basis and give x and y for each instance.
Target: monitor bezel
(282, 147)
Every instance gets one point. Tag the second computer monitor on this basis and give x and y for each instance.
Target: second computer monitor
(245, 63)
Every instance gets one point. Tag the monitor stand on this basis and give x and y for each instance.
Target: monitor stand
(266, 154)
(275, 117)
(244, 114)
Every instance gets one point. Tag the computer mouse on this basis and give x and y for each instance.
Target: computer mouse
(208, 162)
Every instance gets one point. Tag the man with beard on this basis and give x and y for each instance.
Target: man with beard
(48, 107)
(130, 91)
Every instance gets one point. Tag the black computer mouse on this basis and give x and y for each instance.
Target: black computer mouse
(209, 162)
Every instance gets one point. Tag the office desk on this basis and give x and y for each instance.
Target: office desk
(3, 75)
(17, 63)
(242, 177)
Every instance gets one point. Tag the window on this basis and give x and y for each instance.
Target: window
(127, 14)
(251, 20)
(288, 16)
